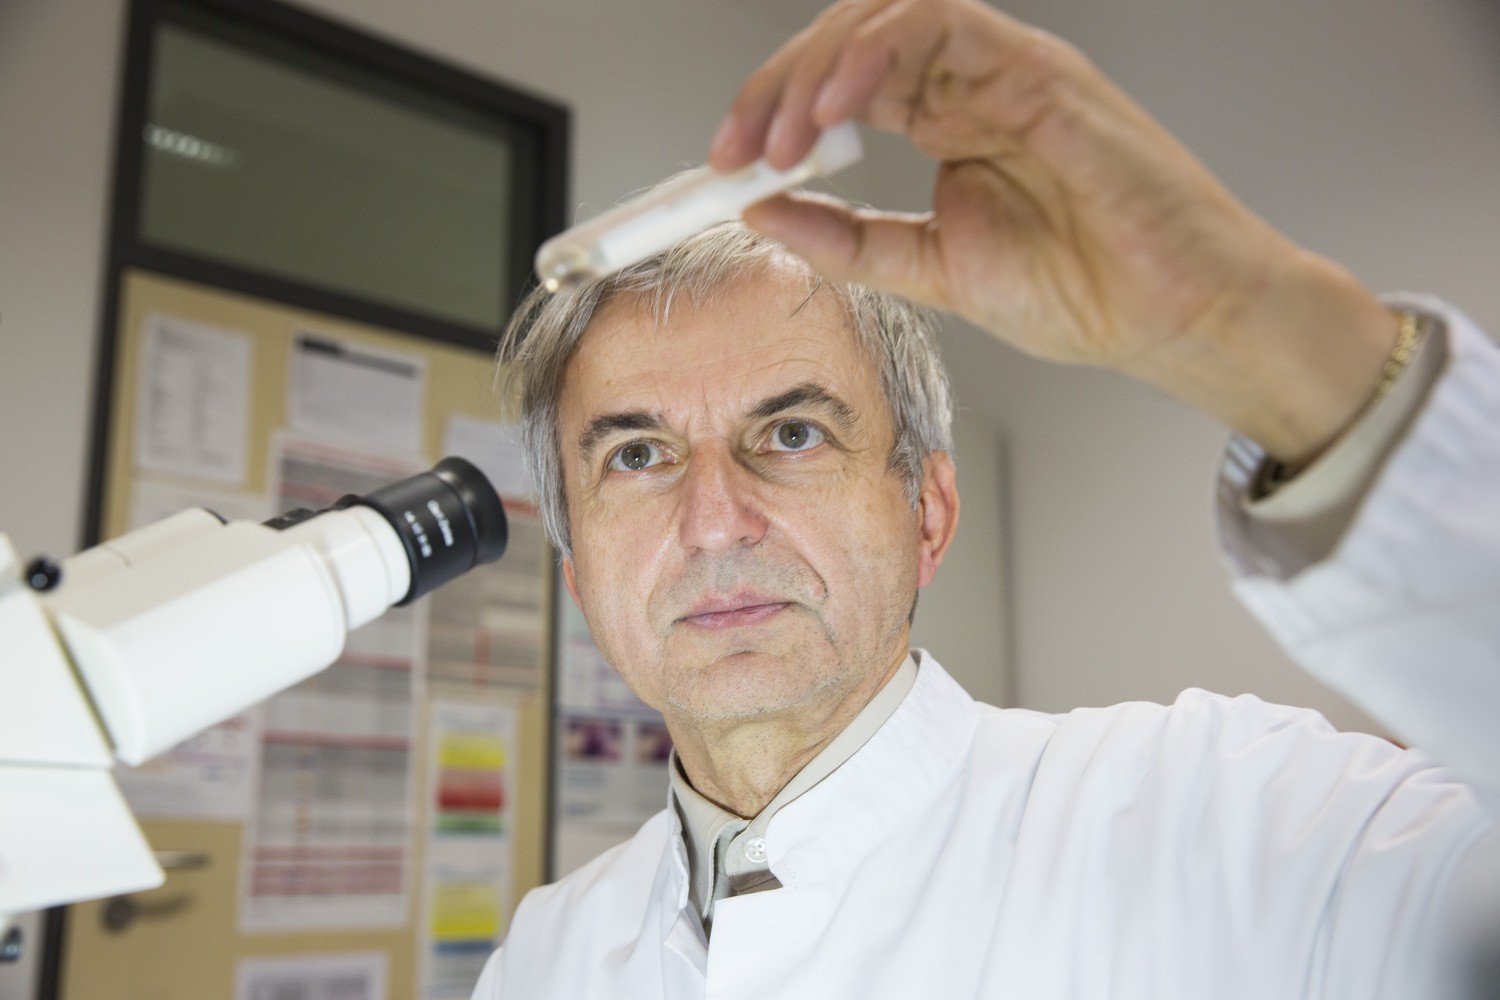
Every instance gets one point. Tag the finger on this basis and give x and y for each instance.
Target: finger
(887, 250)
(903, 34)
(741, 136)
(918, 58)
(793, 130)
(771, 113)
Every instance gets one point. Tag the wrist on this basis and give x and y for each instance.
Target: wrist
(1293, 366)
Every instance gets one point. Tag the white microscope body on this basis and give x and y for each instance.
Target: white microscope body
(134, 645)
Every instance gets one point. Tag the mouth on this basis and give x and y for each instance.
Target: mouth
(733, 611)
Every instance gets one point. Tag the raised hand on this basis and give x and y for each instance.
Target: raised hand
(1064, 219)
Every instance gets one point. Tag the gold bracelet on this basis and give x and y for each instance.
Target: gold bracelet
(1273, 474)
(1407, 340)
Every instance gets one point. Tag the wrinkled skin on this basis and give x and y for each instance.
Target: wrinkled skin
(749, 572)
(1065, 221)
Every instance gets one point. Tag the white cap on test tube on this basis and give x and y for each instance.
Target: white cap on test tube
(692, 202)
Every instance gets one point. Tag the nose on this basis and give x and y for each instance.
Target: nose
(718, 509)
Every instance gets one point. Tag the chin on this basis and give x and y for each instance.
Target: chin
(753, 684)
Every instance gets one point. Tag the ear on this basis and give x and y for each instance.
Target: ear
(937, 511)
(567, 568)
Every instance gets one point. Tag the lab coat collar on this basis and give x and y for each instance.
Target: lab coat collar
(894, 774)
(680, 932)
(837, 822)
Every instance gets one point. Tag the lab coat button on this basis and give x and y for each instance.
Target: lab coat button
(755, 849)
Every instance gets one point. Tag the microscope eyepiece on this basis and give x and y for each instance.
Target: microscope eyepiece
(449, 520)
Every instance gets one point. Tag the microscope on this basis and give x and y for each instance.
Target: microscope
(130, 647)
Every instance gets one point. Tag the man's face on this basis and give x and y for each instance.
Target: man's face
(741, 546)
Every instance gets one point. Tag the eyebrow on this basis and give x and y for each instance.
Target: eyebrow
(606, 424)
(806, 394)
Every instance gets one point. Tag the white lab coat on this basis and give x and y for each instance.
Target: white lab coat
(1211, 848)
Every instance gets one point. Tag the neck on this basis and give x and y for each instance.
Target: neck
(741, 764)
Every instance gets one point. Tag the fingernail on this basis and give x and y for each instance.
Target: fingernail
(717, 147)
(774, 133)
(824, 103)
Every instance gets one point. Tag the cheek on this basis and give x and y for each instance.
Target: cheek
(605, 586)
(875, 539)
(614, 568)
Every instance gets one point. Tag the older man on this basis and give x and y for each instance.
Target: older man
(745, 463)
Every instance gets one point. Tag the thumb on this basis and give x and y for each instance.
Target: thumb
(892, 251)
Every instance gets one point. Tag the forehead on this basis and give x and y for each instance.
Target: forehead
(748, 340)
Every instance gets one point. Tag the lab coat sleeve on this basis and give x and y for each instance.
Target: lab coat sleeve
(488, 986)
(1403, 616)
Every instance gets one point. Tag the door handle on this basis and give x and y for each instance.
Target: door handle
(181, 860)
(122, 911)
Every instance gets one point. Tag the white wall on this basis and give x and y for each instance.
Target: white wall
(963, 617)
(1369, 130)
(58, 64)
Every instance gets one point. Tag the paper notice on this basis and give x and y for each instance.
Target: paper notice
(611, 776)
(611, 749)
(587, 684)
(467, 890)
(612, 770)
(488, 627)
(329, 844)
(493, 447)
(151, 500)
(211, 776)
(355, 393)
(358, 976)
(193, 400)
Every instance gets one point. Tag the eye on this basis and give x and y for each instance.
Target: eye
(635, 456)
(796, 435)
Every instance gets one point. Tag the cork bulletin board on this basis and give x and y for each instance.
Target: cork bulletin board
(316, 238)
(385, 816)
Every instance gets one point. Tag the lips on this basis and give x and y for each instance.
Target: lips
(733, 610)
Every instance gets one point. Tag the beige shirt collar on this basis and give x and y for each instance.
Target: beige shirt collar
(723, 857)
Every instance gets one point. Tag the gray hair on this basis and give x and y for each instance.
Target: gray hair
(547, 327)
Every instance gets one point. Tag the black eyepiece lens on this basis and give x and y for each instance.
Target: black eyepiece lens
(449, 519)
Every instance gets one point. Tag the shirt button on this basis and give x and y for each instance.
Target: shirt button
(755, 849)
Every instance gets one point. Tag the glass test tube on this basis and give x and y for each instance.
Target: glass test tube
(694, 201)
